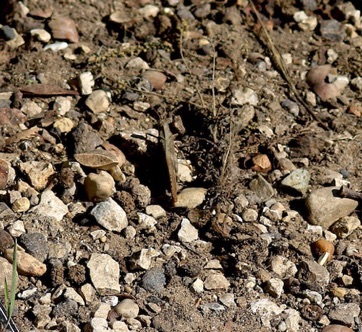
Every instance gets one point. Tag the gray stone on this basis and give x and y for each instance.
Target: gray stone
(127, 309)
(249, 215)
(345, 313)
(110, 215)
(190, 197)
(314, 276)
(147, 222)
(104, 273)
(154, 280)
(71, 294)
(262, 188)
(297, 181)
(85, 138)
(324, 208)
(35, 244)
(227, 299)
(65, 309)
(187, 232)
(156, 211)
(345, 226)
(50, 206)
(275, 287)
(292, 321)
(244, 96)
(332, 29)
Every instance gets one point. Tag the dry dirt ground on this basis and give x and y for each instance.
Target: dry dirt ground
(213, 77)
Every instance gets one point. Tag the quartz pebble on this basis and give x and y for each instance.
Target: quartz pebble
(275, 287)
(156, 211)
(283, 267)
(142, 260)
(244, 96)
(197, 286)
(266, 310)
(104, 273)
(21, 205)
(227, 299)
(55, 47)
(137, 63)
(41, 34)
(86, 83)
(110, 215)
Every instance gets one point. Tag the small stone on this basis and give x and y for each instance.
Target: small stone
(55, 47)
(99, 187)
(142, 260)
(156, 78)
(216, 281)
(85, 138)
(283, 267)
(86, 83)
(241, 202)
(275, 287)
(147, 222)
(292, 321)
(187, 232)
(71, 294)
(6, 240)
(356, 83)
(309, 24)
(347, 280)
(27, 264)
(6, 271)
(99, 324)
(291, 106)
(103, 310)
(64, 125)
(17, 228)
(119, 326)
(345, 313)
(50, 206)
(300, 16)
(41, 35)
(98, 101)
(250, 215)
(156, 211)
(345, 226)
(88, 292)
(266, 310)
(62, 105)
(127, 309)
(38, 173)
(154, 280)
(130, 232)
(244, 96)
(213, 264)
(321, 247)
(314, 276)
(190, 197)
(21, 205)
(110, 215)
(227, 299)
(332, 30)
(197, 286)
(336, 328)
(64, 28)
(262, 188)
(297, 181)
(104, 272)
(137, 63)
(35, 244)
(17, 39)
(324, 208)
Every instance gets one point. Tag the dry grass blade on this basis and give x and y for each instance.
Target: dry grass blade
(279, 62)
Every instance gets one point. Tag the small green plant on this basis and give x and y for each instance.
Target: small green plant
(10, 293)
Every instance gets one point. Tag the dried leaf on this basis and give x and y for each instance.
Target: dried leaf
(121, 158)
(26, 134)
(171, 160)
(99, 159)
(46, 90)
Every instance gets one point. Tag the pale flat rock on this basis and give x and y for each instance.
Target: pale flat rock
(190, 197)
(325, 208)
(266, 310)
(127, 309)
(50, 206)
(110, 215)
(283, 267)
(187, 232)
(38, 173)
(216, 281)
(297, 181)
(98, 101)
(104, 274)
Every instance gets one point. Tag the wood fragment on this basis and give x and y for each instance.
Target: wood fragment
(26, 134)
(168, 145)
(46, 90)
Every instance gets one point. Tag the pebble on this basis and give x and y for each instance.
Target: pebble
(156, 211)
(35, 244)
(314, 276)
(292, 321)
(215, 281)
(245, 96)
(86, 83)
(291, 106)
(262, 188)
(324, 208)
(64, 28)
(88, 293)
(345, 313)
(213, 264)
(55, 47)
(156, 78)
(62, 105)
(266, 310)
(187, 232)
(118, 326)
(50, 206)
(332, 30)
(64, 125)
(71, 294)
(297, 180)
(141, 193)
(99, 324)
(98, 101)
(110, 215)
(190, 198)
(137, 63)
(6, 240)
(275, 287)
(130, 232)
(27, 264)
(249, 215)
(227, 299)
(104, 273)
(7, 32)
(38, 172)
(142, 260)
(345, 226)
(85, 138)
(99, 187)
(356, 83)
(321, 247)
(17, 228)
(337, 328)
(147, 222)
(154, 280)
(283, 267)
(197, 286)
(6, 271)
(15, 42)
(127, 309)
(41, 35)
